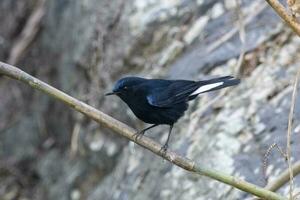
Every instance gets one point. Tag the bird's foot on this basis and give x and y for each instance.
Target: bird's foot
(164, 149)
(139, 134)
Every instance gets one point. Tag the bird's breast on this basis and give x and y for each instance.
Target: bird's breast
(156, 115)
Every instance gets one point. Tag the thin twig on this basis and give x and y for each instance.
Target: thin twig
(28, 33)
(283, 178)
(266, 158)
(128, 132)
(289, 134)
(290, 20)
(242, 35)
(74, 139)
(258, 9)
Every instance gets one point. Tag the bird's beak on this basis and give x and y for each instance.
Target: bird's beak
(110, 93)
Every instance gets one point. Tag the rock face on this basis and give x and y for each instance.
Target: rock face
(50, 152)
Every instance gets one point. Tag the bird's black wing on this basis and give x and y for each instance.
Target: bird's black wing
(173, 93)
(166, 94)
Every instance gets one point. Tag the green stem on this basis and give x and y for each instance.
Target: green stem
(129, 133)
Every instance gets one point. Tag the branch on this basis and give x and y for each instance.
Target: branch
(128, 132)
(291, 21)
(283, 178)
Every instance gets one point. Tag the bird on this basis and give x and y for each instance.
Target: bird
(161, 101)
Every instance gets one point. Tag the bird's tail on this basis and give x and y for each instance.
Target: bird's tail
(216, 84)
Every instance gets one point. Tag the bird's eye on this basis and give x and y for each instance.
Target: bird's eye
(125, 87)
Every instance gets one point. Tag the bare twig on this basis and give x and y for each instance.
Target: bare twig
(283, 178)
(231, 33)
(266, 157)
(200, 112)
(242, 35)
(293, 170)
(128, 132)
(117, 16)
(28, 33)
(290, 20)
(74, 140)
(289, 133)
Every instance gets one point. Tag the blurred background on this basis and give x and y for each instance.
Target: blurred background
(48, 151)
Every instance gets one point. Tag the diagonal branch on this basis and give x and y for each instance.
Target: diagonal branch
(283, 178)
(281, 11)
(128, 132)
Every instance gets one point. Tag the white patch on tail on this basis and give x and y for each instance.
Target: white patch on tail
(207, 87)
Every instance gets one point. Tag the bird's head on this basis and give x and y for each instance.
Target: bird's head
(125, 86)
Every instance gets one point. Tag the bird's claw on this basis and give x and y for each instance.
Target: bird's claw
(139, 134)
(164, 149)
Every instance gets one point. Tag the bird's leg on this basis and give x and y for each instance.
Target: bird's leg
(142, 132)
(165, 147)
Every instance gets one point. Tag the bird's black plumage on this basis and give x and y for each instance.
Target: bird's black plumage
(158, 101)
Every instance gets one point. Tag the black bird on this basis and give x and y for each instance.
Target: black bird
(158, 101)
